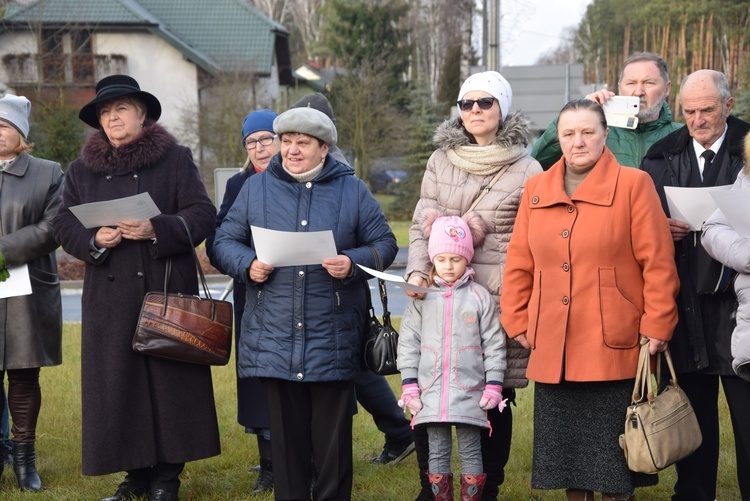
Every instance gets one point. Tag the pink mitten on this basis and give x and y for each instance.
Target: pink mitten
(410, 398)
(492, 397)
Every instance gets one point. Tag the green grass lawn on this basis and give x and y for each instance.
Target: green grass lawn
(225, 477)
(401, 231)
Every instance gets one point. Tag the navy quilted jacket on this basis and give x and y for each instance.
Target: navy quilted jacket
(302, 324)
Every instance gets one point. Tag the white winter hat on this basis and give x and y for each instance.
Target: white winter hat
(492, 83)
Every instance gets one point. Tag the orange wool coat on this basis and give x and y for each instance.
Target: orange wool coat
(585, 276)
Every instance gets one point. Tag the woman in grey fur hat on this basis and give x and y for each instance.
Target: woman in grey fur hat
(302, 326)
(482, 164)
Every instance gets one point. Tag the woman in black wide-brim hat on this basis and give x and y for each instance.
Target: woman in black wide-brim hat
(142, 415)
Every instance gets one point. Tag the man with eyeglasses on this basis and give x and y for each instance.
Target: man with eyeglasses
(645, 75)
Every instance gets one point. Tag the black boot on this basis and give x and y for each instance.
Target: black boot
(265, 477)
(128, 491)
(24, 466)
(165, 482)
(423, 456)
(163, 492)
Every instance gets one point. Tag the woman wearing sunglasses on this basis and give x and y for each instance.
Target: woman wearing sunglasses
(482, 165)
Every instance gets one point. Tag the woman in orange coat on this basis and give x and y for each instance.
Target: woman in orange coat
(590, 270)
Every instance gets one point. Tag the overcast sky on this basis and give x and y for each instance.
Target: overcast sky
(533, 27)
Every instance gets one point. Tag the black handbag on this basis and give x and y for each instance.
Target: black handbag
(185, 327)
(381, 339)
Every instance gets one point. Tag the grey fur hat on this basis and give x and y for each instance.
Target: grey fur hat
(15, 110)
(307, 121)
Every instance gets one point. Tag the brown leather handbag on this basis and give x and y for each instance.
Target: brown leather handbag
(185, 327)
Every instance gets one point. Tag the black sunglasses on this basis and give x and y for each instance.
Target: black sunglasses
(485, 103)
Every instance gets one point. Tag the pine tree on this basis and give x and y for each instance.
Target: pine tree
(425, 117)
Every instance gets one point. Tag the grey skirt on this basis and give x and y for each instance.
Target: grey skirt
(576, 437)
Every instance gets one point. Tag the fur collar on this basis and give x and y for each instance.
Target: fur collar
(146, 149)
(516, 130)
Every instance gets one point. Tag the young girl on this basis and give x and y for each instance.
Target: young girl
(451, 354)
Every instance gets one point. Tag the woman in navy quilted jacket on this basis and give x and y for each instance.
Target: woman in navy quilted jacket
(302, 326)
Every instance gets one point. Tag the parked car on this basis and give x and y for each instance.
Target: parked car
(382, 180)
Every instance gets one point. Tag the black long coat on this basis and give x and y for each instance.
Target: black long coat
(138, 410)
(31, 326)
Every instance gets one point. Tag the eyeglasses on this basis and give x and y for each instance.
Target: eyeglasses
(485, 103)
(250, 144)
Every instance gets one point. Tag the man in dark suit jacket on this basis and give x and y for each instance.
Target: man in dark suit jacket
(708, 152)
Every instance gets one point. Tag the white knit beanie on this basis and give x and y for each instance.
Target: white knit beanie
(494, 84)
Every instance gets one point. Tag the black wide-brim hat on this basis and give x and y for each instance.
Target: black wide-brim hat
(115, 86)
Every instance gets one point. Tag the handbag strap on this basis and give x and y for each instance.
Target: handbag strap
(204, 284)
(670, 366)
(381, 286)
(486, 190)
(643, 373)
(643, 380)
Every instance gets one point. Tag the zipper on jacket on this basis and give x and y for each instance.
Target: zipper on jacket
(338, 299)
(446, 357)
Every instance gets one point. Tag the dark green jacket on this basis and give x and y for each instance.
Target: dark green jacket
(628, 146)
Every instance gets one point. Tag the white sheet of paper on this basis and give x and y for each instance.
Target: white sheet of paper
(110, 212)
(692, 205)
(735, 205)
(291, 248)
(397, 280)
(18, 284)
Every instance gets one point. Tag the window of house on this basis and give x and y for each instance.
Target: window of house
(67, 56)
(82, 56)
(53, 60)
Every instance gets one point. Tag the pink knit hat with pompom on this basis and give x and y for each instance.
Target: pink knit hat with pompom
(452, 234)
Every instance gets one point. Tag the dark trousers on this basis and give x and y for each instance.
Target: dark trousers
(696, 474)
(310, 420)
(24, 402)
(375, 395)
(495, 448)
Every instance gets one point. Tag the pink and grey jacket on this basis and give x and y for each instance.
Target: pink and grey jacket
(452, 342)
